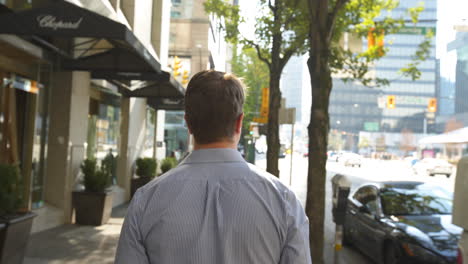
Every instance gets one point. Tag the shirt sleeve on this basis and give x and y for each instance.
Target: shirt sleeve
(296, 250)
(131, 248)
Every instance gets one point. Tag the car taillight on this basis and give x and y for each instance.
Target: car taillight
(460, 257)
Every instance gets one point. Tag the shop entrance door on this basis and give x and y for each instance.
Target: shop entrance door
(17, 117)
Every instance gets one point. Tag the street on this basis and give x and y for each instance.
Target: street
(370, 171)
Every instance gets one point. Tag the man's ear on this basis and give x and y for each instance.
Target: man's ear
(189, 129)
(239, 123)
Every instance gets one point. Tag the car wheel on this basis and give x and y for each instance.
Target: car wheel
(391, 254)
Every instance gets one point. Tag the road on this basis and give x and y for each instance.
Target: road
(370, 171)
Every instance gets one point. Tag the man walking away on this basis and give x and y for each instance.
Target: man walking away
(214, 208)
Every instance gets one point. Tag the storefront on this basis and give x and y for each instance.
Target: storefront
(69, 96)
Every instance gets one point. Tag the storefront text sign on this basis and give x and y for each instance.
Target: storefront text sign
(50, 21)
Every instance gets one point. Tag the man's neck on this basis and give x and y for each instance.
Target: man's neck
(221, 144)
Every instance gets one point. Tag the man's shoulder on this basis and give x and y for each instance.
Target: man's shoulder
(181, 174)
(266, 177)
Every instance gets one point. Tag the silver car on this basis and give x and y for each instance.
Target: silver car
(432, 167)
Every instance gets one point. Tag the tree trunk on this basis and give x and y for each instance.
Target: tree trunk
(273, 141)
(321, 82)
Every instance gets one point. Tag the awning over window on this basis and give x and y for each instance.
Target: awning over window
(102, 46)
(161, 95)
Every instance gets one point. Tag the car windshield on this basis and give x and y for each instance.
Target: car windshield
(416, 201)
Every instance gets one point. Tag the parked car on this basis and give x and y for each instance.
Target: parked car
(335, 156)
(402, 222)
(431, 167)
(351, 159)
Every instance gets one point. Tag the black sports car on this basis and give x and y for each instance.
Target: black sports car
(402, 222)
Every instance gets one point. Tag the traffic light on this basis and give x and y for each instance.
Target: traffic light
(376, 39)
(185, 77)
(391, 102)
(177, 66)
(432, 105)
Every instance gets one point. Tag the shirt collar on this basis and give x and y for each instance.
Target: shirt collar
(213, 155)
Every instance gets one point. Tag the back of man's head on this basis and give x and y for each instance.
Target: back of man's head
(213, 103)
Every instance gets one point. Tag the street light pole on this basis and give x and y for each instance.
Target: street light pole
(292, 154)
(199, 46)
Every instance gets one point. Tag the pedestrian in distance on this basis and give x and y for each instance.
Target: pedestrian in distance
(214, 208)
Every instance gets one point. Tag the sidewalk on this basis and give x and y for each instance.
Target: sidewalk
(73, 244)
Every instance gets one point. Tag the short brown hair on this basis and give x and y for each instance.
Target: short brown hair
(213, 102)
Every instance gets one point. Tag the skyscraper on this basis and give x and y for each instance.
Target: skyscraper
(411, 97)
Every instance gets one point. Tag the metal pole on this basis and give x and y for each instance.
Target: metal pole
(155, 136)
(338, 242)
(292, 154)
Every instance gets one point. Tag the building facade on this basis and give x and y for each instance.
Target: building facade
(355, 108)
(198, 42)
(411, 97)
(81, 83)
(459, 48)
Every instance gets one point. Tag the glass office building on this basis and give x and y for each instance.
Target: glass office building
(363, 112)
(411, 97)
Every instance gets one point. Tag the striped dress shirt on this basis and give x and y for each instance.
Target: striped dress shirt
(215, 208)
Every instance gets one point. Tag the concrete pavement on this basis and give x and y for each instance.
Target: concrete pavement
(70, 244)
(74, 244)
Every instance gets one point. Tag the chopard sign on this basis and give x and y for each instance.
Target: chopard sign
(50, 21)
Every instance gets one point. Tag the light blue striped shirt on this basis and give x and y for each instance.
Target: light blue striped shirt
(215, 208)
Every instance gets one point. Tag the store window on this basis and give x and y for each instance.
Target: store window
(23, 120)
(175, 134)
(104, 129)
(150, 133)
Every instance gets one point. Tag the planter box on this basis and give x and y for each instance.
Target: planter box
(92, 208)
(14, 236)
(137, 183)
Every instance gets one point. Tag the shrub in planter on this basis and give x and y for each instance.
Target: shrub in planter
(146, 167)
(93, 206)
(168, 163)
(15, 224)
(146, 170)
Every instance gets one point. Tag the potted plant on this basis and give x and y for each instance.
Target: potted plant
(15, 221)
(168, 163)
(146, 170)
(93, 206)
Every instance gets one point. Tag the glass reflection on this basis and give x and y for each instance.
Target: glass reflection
(416, 201)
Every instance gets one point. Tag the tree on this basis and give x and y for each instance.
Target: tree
(328, 21)
(255, 76)
(280, 32)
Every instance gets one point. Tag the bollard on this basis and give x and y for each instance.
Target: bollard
(340, 187)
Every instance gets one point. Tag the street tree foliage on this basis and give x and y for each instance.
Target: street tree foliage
(280, 32)
(329, 21)
(255, 75)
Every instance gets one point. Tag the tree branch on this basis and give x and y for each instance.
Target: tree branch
(295, 5)
(273, 8)
(259, 52)
(288, 53)
(332, 16)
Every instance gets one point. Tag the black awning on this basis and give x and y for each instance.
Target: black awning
(166, 104)
(104, 44)
(168, 89)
